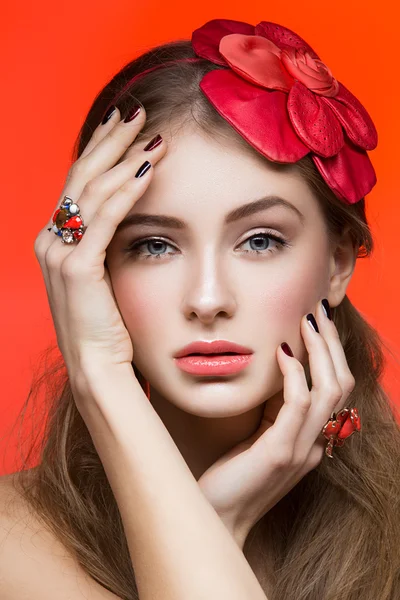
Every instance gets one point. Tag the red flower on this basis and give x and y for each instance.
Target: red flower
(284, 101)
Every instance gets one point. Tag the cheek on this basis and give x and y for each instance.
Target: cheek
(143, 303)
(277, 305)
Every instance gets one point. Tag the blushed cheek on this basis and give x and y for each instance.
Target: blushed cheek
(282, 302)
(143, 306)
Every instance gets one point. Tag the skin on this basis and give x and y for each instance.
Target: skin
(205, 286)
(244, 444)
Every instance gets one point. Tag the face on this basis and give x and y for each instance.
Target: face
(216, 280)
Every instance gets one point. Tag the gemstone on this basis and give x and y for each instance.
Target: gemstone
(55, 229)
(78, 234)
(67, 201)
(73, 209)
(67, 236)
(74, 223)
(61, 218)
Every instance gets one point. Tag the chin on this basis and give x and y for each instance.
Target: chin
(215, 397)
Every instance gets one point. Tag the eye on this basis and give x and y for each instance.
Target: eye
(156, 246)
(260, 239)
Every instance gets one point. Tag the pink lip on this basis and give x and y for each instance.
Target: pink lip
(214, 364)
(215, 347)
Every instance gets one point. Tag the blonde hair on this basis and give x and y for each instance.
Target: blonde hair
(336, 534)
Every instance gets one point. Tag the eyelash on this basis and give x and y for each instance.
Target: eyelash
(133, 249)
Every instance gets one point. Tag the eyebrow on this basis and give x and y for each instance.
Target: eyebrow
(238, 213)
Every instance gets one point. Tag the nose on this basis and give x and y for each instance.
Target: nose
(208, 292)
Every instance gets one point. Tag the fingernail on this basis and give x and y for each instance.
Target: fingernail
(327, 308)
(286, 348)
(135, 110)
(109, 113)
(156, 141)
(143, 168)
(312, 322)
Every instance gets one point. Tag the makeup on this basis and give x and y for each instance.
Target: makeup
(214, 364)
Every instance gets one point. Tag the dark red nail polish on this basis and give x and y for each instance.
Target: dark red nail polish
(286, 348)
(108, 114)
(327, 308)
(156, 141)
(313, 322)
(135, 110)
(143, 169)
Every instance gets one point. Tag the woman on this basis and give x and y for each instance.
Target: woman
(217, 195)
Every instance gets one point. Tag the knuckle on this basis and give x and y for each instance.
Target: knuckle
(92, 187)
(39, 246)
(334, 394)
(52, 259)
(79, 168)
(316, 455)
(303, 403)
(348, 384)
(297, 367)
(109, 212)
(70, 268)
(282, 458)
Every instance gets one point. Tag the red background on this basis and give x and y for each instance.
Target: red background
(58, 55)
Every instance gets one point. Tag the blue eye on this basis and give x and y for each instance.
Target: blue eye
(159, 244)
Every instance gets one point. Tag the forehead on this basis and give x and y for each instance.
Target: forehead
(212, 175)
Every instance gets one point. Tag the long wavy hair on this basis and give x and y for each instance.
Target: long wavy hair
(336, 534)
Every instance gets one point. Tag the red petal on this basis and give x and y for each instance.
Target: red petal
(354, 118)
(343, 415)
(283, 37)
(332, 428)
(356, 418)
(206, 39)
(257, 60)
(314, 122)
(347, 429)
(258, 115)
(349, 174)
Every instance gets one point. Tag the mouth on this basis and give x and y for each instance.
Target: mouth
(213, 354)
(216, 364)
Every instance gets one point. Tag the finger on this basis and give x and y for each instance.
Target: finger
(95, 192)
(101, 131)
(102, 188)
(105, 221)
(101, 158)
(282, 435)
(323, 406)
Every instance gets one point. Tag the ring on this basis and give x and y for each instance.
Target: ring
(339, 427)
(67, 222)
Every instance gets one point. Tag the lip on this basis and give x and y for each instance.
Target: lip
(214, 347)
(214, 365)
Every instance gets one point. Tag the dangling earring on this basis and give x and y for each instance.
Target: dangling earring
(147, 388)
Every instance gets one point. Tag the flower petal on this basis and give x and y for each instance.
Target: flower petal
(354, 118)
(257, 60)
(349, 174)
(206, 39)
(258, 115)
(316, 126)
(283, 37)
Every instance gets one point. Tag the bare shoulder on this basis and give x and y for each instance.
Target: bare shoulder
(33, 563)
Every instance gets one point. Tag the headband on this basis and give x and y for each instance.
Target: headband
(284, 101)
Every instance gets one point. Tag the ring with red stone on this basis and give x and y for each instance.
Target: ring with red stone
(339, 427)
(67, 222)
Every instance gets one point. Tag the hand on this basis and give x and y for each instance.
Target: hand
(86, 317)
(251, 478)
